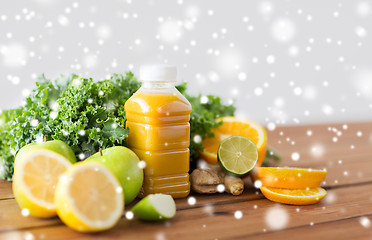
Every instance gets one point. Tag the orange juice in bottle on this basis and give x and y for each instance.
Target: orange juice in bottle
(159, 131)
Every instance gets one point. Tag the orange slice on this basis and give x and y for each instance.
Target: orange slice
(292, 178)
(294, 196)
(235, 126)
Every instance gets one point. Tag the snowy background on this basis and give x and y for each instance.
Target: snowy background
(284, 62)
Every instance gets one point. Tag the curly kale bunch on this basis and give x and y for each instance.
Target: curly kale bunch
(87, 115)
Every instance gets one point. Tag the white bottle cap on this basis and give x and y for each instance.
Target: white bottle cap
(158, 73)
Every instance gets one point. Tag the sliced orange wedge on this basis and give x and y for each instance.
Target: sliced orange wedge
(235, 126)
(292, 178)
(294, 196)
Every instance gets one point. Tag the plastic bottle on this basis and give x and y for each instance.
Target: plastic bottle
(158, 118)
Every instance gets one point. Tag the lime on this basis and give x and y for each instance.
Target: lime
(237, 155)
(155, 207)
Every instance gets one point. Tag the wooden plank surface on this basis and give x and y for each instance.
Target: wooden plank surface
(218, 221)
(349, 185)
(350, 228)
(5, 190)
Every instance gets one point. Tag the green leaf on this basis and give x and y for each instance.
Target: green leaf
(114, 131)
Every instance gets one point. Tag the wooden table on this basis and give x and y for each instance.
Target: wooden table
(345, 213)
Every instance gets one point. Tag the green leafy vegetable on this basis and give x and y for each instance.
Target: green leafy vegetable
(89, 115)
(202, 119)
(271, 158)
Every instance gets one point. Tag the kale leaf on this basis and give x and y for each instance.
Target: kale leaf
(87, 115)
(202, 119)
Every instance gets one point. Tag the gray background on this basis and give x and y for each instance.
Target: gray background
(284, 62)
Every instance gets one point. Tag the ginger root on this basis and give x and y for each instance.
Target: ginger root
(234, 185)
(207, 180)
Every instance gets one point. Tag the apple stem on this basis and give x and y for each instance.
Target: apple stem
(100, 151)
(45, 138)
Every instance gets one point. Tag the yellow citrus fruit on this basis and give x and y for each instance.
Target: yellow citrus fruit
(291, 178)
(235, 126)
(89, 198)
(35, 178)
(294, 196)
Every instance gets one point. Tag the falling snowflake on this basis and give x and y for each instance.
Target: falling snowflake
(129, 215)
(238, 214)
(142, 164)
(327, 109)
(34, 122)
(14, 54)
(271, 126)
(276, 218)
(258, 91)
(270, 59)
(220, 188)
(170, 31)
(213, 76)
(90, 61)
(363, 9)
(330, 197)
(208, 209)
(283, 30)
(192, 12)
(242, 76)
(2, 168)
(191, 201)
(293, 51)
(365, 222)
(266, 8)
(317, 150)
(197, 138)
(25, 212)
(28, 236)
(361, 32)
(297, 91)
(362, 82)
(104, 31)
(295, 156)
(257, 184)
(63, 20)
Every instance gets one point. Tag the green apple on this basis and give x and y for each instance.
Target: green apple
(155, 207)
(123, 163)
(56, 146)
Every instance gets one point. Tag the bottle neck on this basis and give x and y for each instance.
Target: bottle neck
(158, 85)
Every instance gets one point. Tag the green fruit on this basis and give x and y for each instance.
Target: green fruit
(155, 207)
(237, 155)
(56, 146)
(123, 163)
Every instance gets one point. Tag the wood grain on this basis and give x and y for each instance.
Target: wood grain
(350, 228)
(349, 185)
(321, 139)
(11, 217)
(218, 221)
(5, 190)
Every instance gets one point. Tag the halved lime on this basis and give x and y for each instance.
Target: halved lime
(155, 207)
(237, 155)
